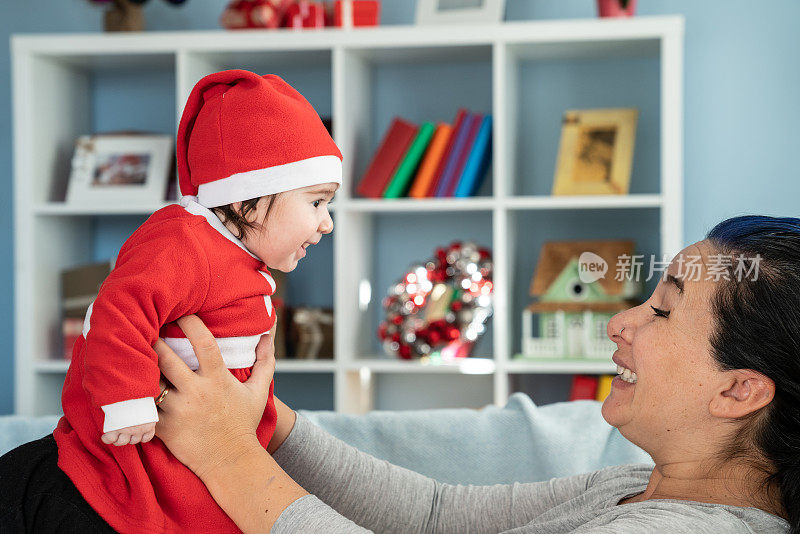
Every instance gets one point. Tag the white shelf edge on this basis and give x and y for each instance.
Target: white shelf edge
(512, 32)
(61, 208)
(402, 205)
(534, 202)
(304, 366)
(546, 202)
(467, 366)
(561, 367)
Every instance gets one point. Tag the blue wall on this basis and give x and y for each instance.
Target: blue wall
(741, 114)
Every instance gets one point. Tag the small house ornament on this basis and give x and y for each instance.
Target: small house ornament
(580, 285)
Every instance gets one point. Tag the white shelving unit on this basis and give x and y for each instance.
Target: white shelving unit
(52, 106)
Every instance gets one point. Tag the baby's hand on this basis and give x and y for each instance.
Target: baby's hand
(130, 434)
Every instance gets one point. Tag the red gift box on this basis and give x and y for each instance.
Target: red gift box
(305, 14)
(365, 12)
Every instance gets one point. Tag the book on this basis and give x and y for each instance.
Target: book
(453, 159)
(477, 161)
(584, 387)
(463, 154)
(461, 115)
(430, 162)
(604, 387)
(403, 176)
(386, 159)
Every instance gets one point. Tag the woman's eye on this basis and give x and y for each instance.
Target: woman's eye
(317, 203)
(659, 312)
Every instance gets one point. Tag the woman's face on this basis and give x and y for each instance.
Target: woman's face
(676, 376)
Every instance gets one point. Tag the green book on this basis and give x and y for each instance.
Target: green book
(402, 178)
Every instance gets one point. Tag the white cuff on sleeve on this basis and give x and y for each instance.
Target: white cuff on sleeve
(129, 413)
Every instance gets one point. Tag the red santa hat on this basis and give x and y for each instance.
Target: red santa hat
(242, 136)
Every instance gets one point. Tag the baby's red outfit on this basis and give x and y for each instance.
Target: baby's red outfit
(241, 136)
(181, 261)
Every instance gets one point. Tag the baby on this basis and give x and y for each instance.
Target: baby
(257, 169)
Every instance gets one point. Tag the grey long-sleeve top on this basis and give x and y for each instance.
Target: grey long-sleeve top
(355, 493)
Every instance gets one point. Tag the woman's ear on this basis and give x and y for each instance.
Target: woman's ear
(744, 392)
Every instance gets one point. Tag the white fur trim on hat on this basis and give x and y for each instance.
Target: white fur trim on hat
(277, 179)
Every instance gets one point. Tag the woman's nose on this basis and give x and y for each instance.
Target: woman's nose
(618, 325)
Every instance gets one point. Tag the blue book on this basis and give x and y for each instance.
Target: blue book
(478, 161)
(458, 147)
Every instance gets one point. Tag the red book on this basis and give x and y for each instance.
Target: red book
(584, 387)
(475, 125)
(459, 120)
(387, 158)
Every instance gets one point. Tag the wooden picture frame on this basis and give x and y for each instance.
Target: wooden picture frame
(595, 155)
(460, 11)
(119, 169)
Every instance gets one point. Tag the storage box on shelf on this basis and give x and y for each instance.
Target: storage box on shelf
(361, 78)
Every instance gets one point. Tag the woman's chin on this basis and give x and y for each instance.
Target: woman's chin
(612, 410)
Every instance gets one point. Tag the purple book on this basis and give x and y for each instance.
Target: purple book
(461, 137)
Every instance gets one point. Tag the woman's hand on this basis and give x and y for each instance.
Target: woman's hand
(208, 416)
(208, 420)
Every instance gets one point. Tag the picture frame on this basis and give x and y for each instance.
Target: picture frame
(119, 169)
(595, 155)
(460, 11)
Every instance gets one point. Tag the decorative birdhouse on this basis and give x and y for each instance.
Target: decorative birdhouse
(580, 285)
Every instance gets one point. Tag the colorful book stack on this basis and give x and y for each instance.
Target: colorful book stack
(430, 160)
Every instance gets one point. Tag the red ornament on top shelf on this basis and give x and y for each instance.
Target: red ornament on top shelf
(244, 14)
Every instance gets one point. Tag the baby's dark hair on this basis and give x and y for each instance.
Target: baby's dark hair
(238, 218)
(758, 327)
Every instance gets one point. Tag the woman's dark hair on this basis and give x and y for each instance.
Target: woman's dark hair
(758, 327)
(239, 217)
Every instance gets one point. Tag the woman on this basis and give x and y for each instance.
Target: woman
(711, 392)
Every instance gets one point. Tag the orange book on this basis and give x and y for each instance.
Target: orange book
(427, 169)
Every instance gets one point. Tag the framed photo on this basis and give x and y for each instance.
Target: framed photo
(120, 169)
(596, 152)
(460, 11)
